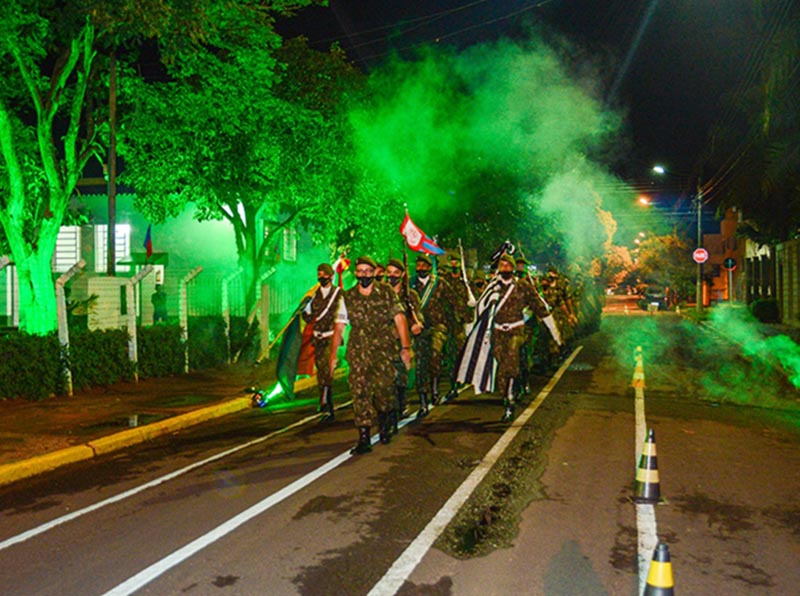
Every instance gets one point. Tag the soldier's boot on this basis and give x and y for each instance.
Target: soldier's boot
(394, 419)
(423, 406)
(363, 445)
(326, 405)
(453, 393)
(384, 427)
(508, 402)
(402, 410)
(435, 392)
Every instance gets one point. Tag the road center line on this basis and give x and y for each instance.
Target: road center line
(402, 568)
(155, 482)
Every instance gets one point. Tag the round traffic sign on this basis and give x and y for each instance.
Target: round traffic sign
(729, 263)
(700, 255)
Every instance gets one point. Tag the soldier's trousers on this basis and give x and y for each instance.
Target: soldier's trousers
(505, 348)
(428, 346)
(322, 360)
(372, 390)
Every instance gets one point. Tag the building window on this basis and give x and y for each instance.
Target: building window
(68, 248)
(289, 244)
(122, 247)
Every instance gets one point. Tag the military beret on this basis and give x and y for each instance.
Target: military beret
(424, 259)
(365, 260)
(396, 263)
(507, 258)
(325, 268)
(522, 260)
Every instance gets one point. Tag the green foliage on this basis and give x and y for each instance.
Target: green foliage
(160, 351)
(30, 366)
(207, 347)
(765, 310)
(666, 261)
(99, 358)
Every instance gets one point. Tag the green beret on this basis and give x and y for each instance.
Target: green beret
(396, 263)
(325, 268)
(522, 260)
(508, 259)
(365, 260)
(423, 258)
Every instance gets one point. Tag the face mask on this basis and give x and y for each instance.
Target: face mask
(423, 274)
(479, 284)
(506, 275)
(519, 274)
(379, 278)
(324, 281)
(365, 281)
(393, 280)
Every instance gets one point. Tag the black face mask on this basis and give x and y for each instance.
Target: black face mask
(479, 284)
(393, 280)
(506, 275)
(519, 274)
(324, 281)
(423, 274)
(366, 281)
(379, 278)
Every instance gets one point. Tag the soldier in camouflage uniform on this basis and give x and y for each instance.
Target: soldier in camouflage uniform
(509, 332)
(531, 324)
(396, 277)
(435, 299)
(373, 312)
(456, 319)
(555, 289)
(321, 312)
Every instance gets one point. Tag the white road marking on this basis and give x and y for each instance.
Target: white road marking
(155, 482)
(402, 568)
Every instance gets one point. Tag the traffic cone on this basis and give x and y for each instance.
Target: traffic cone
(659, 578)
(647, 489)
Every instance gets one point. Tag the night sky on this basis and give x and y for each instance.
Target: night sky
(692, 54)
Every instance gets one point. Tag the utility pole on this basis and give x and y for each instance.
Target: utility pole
(699, 198)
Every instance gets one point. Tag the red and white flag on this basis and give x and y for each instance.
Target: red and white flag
(418, 240)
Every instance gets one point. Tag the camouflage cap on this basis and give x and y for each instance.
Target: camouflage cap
(325, 268)
(396, 263)
(365, 260)
(508, 259)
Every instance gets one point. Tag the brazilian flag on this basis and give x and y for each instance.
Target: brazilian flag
(289, 354)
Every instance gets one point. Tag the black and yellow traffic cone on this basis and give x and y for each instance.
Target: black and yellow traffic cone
(659, 578)
(647, 488)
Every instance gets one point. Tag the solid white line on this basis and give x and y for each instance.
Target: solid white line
(402, 568)
(149, 574)
(155, 482)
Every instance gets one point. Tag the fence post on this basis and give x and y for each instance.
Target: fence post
(263, 321)
(63, 326)
(226, 309)
(184, 315)
(130, 296)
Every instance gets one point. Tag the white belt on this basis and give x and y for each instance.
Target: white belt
(323, 334)
(509, 326)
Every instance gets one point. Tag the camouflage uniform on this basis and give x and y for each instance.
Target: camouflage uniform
(429, 344)
(322, 312)
(556, 297)
(456, 319)
(371, 349)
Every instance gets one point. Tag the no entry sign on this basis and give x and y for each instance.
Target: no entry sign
(700, 255)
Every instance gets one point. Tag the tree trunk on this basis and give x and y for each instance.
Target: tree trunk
(37, 304)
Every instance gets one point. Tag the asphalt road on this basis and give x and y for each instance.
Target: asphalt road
(552, 516)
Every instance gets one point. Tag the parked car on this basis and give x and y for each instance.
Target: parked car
(654, 298)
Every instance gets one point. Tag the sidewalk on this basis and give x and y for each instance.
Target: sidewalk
(40, 436)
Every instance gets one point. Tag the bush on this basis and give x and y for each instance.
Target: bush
(30, 366)
(99, 357)
(160, 351)
(765, 310)
(207, 344)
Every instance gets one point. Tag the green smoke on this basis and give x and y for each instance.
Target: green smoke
(499, 132)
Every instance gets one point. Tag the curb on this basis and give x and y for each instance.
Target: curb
(50, 461)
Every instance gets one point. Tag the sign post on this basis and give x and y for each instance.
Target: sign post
(730, 265)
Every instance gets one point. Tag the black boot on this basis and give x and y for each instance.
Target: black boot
(435, 392)
(508, 402)
(423, 406)
(326, 405)
(393, 421)
(402, 411)
(453, 393)
(363, 445)
(384, 427)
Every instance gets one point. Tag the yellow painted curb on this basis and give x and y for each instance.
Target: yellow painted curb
(43, 463)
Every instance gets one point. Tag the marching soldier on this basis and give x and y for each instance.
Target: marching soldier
(509, 332)
(456, 320)
(435, 299)
(529, 330)
(321, 312)
(396, 277)
(554, 287)
(373, 312)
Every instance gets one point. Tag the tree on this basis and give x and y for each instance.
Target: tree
(666, 260)
(50, 122)
(251, 134)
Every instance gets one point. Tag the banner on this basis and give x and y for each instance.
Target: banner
(417, 240)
